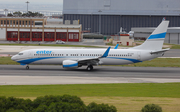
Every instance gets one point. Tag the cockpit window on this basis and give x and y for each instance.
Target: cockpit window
(20, 54)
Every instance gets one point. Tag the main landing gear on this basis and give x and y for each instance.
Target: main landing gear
(89, 67)
(27, 67)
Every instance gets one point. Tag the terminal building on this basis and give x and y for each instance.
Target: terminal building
(27, 29)
(107, 16)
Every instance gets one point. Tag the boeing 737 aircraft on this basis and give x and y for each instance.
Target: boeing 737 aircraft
(74, 58)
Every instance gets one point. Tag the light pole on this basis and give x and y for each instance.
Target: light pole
(27, 6)
(99, 21)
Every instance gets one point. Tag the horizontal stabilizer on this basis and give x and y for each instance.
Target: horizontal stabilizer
(163, 50)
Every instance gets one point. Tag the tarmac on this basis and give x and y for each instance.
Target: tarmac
(46, 74)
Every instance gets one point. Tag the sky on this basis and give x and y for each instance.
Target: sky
(34, 5)
(31, 1)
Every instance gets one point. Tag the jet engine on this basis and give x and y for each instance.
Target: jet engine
(70, 64)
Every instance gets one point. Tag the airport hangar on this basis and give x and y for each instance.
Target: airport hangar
(107, 16)
(25, 29)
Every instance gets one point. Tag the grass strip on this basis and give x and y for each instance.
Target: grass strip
(175, 46)
(7, 61)
(158, 62)
(171, 90)
(135, 104)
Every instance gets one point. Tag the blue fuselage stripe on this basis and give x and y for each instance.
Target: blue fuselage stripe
(28, 61)
(129, 59)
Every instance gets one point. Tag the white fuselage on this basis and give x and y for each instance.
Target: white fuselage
(57, 56)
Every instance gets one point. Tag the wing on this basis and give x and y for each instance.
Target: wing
(95, 60)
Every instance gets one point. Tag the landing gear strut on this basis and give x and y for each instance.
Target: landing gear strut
(89, 68)
(27, 67)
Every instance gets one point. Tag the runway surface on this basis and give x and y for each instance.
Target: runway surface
(48, 74)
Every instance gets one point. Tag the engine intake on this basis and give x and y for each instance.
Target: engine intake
(70, 64)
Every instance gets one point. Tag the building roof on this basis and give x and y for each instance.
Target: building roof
(54, 20)
(62, 26)
(24, 18)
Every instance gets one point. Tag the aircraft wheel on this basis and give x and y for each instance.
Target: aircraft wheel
(90, 67)
(27, 67)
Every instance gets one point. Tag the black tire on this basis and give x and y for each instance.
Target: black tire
(27, 67)
(89, 68)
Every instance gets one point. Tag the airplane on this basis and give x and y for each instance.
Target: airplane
(74, 58)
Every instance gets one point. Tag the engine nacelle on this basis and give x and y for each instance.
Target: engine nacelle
(70, 64)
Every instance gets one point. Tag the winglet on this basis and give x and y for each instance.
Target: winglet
(116, 46)
(106, 53)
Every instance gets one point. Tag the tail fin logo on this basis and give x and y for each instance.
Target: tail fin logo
(158, 36)
(156, 39)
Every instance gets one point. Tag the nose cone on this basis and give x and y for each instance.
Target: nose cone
(13, 58)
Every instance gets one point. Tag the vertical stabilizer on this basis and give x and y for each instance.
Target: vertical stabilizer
(156, 39)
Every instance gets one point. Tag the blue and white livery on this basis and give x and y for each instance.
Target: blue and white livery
(74, 58)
